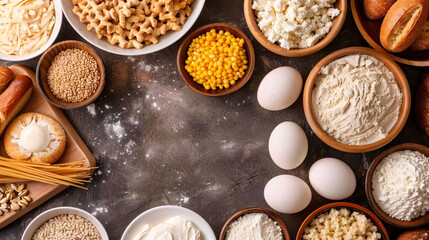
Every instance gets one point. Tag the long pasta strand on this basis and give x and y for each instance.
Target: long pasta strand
(70, 174)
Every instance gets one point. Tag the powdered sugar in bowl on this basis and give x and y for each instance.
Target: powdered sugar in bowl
(404, 166)
(272, 224)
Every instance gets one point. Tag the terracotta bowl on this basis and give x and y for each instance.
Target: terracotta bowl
(403, 86)
(352, 207)
(45, 62)
(250, 16)
(182, 56)
(370, 30)
(270, 214)
(368, 187)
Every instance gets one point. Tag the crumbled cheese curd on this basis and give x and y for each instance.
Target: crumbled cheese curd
(341, 224)
(295, 23)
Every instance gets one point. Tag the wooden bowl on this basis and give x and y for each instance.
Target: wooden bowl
(182, 56)
(370, 30)
(45, 62)
(352, 207)
(368, 187)
(403, 86)
(269, 213)
(250, 16)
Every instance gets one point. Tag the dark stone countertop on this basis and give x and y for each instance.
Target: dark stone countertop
(157, 142)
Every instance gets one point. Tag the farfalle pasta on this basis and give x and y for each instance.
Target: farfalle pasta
(132, 23)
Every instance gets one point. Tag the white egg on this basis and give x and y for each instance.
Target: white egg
(332, 179)
(280, 88)
(288, 145)
(287, 194)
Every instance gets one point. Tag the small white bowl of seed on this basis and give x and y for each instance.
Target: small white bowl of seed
(65, 223)
(70, 74)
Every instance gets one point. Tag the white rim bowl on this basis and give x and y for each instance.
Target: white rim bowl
(164, 41)
(45, 216)
(51, 40)
(159, 214)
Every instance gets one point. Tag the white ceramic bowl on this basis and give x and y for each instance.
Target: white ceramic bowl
(159, 214)
(164, 41)
(51, 40)
(45, 216)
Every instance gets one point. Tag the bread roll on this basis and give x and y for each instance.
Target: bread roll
(420, 234)
(376, 9)
(422, 41)
(6, 75)
(422, 104)
(13, 99)
(403, 23)
(35, 137)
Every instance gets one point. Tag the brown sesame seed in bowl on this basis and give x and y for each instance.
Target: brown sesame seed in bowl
(70, 74)
(73, 75)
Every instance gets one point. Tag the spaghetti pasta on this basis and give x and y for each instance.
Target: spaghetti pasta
(70, 174)
(25, 25)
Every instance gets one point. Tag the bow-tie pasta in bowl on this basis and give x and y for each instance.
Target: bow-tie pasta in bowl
(132, 27)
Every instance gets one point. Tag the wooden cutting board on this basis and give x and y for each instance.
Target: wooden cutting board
(76, 149)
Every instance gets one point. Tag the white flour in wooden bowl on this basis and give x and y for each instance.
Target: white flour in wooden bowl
(254, 226)
(356, 99)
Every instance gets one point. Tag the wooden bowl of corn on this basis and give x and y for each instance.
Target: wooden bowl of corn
(216, 59)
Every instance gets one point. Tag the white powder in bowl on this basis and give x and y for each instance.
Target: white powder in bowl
(356, 99)
(400, 185)
(254, 226)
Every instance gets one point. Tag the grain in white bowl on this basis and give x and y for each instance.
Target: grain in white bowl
(67, 226)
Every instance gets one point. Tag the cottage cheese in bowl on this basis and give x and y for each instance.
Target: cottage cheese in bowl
(295, 23)
(356, 100)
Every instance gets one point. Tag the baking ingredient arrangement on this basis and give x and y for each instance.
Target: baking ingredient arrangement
(357, 99)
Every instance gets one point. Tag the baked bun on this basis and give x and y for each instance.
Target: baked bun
(376, 9)
(419, 234)
(6, 75)
(421, 105)
(35, 137)
(403, 23)
(422, 41)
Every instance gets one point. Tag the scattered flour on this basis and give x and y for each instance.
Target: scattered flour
(129, 146)
(91, 109)
(99, 210)
(115, 129)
